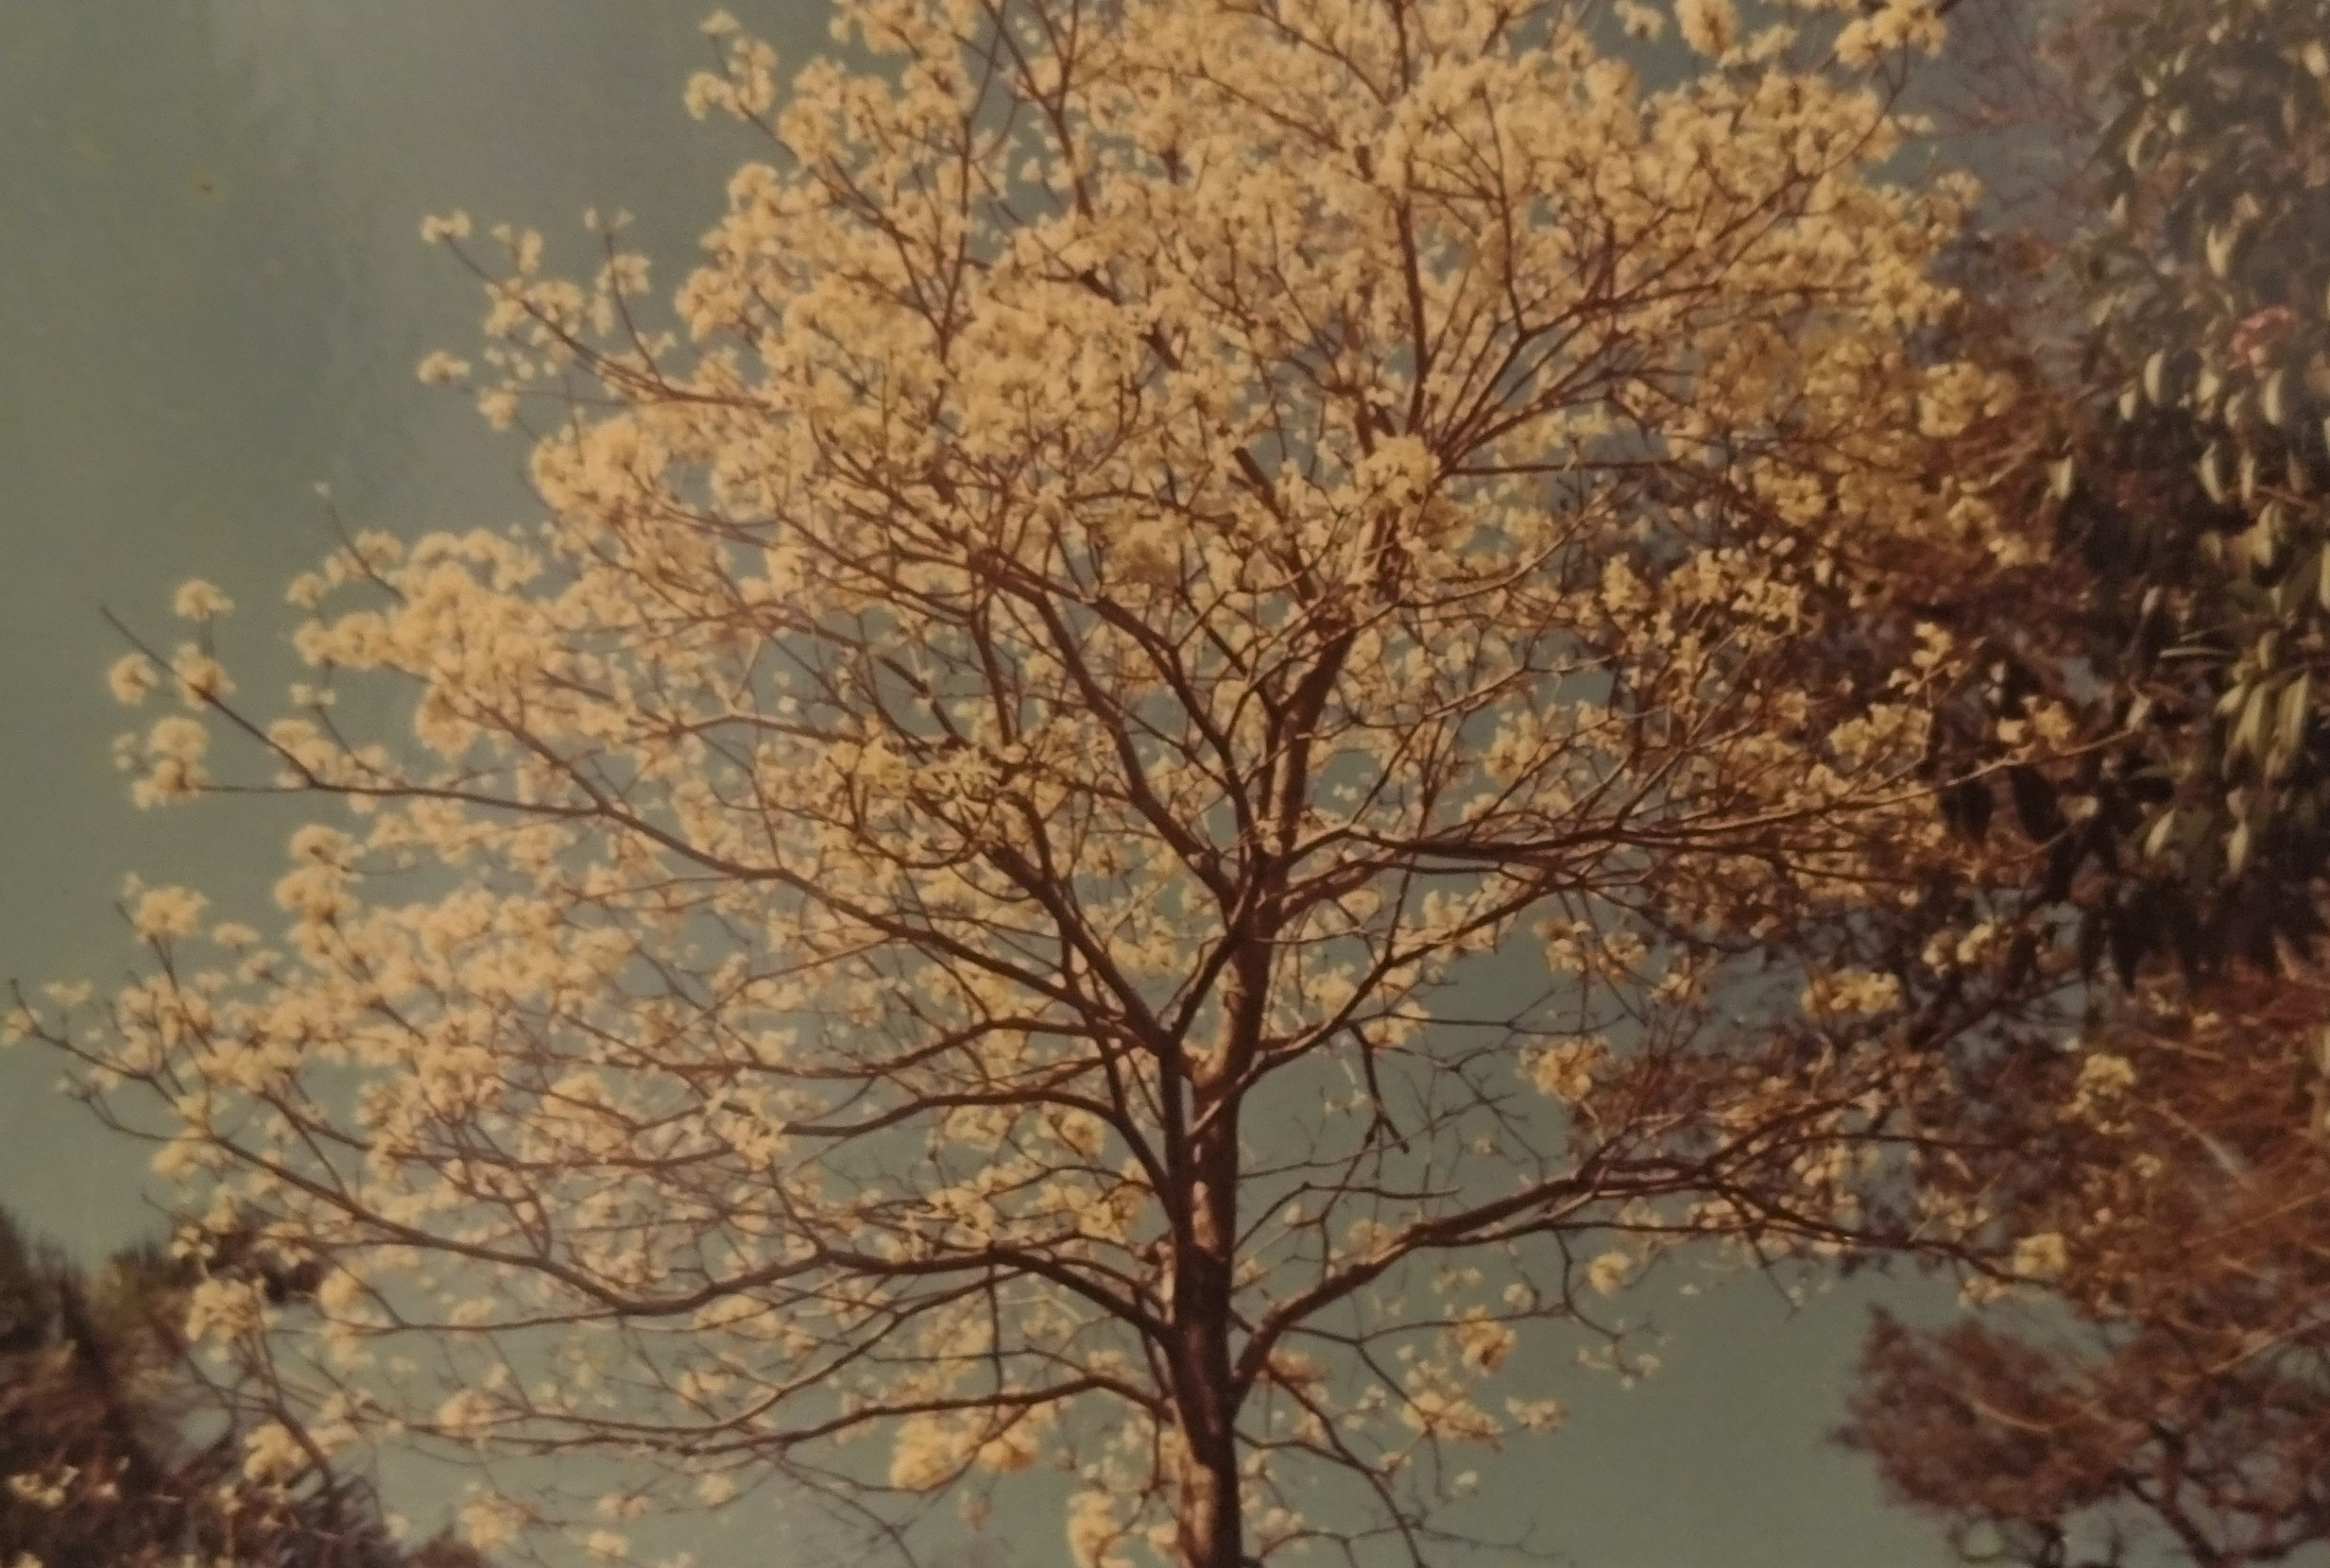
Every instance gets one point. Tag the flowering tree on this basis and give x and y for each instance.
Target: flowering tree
(1138, 800)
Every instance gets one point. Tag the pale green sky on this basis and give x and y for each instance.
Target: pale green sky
(212, 296)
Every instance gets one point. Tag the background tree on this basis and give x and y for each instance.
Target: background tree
(2167, 1173)
(1243, 707)
(2182, 327)
(119, 1450)
(2172, 1189)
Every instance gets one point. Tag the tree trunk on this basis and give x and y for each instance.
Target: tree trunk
(1211, 1530)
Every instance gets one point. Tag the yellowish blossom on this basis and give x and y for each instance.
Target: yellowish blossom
(198, 600)
(130, 678)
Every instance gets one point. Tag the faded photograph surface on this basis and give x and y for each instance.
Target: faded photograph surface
(1166, 783)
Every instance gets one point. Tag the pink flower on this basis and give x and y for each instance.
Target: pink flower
(2254, 338)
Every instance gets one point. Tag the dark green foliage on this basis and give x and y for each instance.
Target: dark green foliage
(118, 1451)
(2195, 494)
